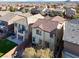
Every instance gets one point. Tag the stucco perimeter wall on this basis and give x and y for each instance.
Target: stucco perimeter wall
(9, 54)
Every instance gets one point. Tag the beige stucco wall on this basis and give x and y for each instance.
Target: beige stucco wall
(45, 36)
(36, 35)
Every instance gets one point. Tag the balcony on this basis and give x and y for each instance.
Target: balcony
(14, 39)
(21, 29)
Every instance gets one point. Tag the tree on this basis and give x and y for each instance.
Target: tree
(55, 13)
(77, 8)
(43, 14)
(35, 11)
(24, 10)
(12, 9)
(52, 13)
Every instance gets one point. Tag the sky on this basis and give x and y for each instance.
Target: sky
(35, 0)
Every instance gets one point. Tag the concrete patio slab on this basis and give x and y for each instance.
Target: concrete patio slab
(15, 40)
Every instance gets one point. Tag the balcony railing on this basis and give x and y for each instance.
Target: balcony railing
(20, 31)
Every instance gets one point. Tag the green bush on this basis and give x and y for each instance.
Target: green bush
(76, 17)
(12, 9)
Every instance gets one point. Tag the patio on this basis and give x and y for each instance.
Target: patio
(15, 40)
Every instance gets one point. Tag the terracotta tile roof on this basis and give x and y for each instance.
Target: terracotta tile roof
(2, 13)
(45, 25)
(48, 23)
(58, 19)
(7, 17)
(32, 19)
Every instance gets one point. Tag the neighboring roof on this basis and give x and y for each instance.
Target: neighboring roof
(17, 12)
(32, 19)
(45, 25)
(58, 19)
(2, 13)
(59, 9)
(15, 18)
(12, 17)
(48, 17)
(26, 14)
(71, 48)
(7, 17)
(23, 14)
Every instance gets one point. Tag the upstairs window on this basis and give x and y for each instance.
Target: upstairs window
(15, 24)
(33, 39)
(51, 34)
(38, 32)
(21, 28)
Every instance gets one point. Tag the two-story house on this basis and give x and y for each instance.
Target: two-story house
(44, 33)
(70, 12)
(47, 32)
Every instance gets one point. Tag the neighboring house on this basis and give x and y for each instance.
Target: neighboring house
(4, 8)
(6, 25)
(46, 32)
(71, 39)
(35, 10)
(9, 21)
(22, 26)
(46, 10)
(70, 12)
(70, 5)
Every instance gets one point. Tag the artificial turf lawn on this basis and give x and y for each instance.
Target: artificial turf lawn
(5, 46)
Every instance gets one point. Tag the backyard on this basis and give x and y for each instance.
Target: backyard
(5, 46)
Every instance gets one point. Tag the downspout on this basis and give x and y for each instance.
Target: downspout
(17, 31)
(27, 28)
(43, 39)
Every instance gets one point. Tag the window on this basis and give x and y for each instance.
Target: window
(47, 44)
(40, 41)
(20, 37)
(15, 24)
(21, 28)
(51, 34)
(38, 32)
(33, 39)
(2, 23)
